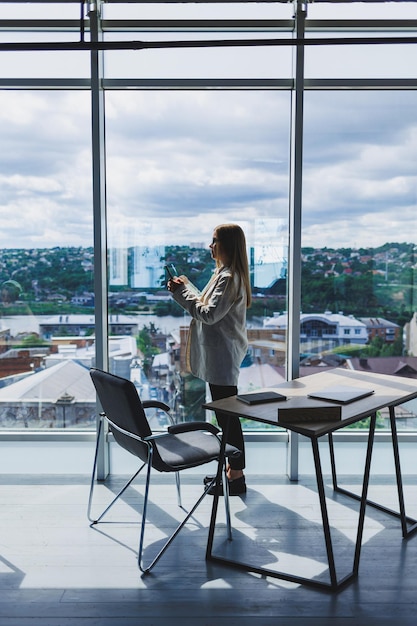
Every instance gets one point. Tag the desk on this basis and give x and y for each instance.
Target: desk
(389, 391)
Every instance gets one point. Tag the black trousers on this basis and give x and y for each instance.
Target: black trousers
(235, 436)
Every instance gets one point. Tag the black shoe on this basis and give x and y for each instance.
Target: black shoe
(208, 479)
(237, 487)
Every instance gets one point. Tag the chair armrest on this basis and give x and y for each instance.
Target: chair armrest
(155, 436)
(156, 404)
(188, 426)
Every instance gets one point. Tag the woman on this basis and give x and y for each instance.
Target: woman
(217, 339)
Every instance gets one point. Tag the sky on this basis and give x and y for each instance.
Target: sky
(179, 163)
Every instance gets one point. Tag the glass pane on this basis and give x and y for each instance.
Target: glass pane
(214, 62)
(46, 261)
(359, 225)
(360, 61)
(43, 64)
(198, 10)
(39, 10)
(178, 164)
(362, 10)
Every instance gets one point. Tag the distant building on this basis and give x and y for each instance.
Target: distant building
(122, 351)
(87, 299)
(5, 339)
(137, 267)
(267, 346)
(379, 327)
(268, 263)
(403, 366)
(62, 396)
(260, 375)
(324, 329)
(146, 267)
(410, 332)
(82, 325)
(20, 361)
(118, 274)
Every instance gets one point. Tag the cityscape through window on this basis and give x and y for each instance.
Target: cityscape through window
(184, 140)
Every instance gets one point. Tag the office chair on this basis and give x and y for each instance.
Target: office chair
(183, 446)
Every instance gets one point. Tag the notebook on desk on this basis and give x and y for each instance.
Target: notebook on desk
(261, 397)
(341, 393)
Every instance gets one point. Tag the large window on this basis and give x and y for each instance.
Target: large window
(46, 261)
(191, 137)
(358, 247)
(180, 163)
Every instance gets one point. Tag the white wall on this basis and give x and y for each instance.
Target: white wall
(263, 458)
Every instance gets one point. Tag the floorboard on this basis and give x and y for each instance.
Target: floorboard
(56, 570)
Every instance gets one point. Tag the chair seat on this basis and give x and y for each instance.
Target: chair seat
(189, 449)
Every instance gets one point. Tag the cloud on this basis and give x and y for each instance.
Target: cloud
(197, 160)
(179, 163)
(360, 178)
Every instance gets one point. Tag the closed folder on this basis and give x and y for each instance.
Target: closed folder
(341, 393)
(260, 397)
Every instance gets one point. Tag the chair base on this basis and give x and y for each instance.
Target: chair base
(145, 569)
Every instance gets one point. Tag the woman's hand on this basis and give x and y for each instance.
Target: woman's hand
(174, 283)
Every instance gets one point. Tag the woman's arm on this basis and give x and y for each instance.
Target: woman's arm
(214, 304)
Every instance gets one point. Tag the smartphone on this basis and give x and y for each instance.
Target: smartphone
(170, 271)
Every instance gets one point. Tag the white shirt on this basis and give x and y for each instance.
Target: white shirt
(217, 339)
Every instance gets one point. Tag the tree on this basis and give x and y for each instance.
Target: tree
(146, 347)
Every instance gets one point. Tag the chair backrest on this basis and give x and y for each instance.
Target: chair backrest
(121, 403)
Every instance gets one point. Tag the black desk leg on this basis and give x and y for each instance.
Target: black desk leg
(324, 514)
(407, 531)
(215, 506)
(325, 518)
(334, 584)
(364, 497)
(405, 519)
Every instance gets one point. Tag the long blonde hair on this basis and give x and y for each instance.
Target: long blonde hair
(232, 242)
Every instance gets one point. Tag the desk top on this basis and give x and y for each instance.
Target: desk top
(388, 391)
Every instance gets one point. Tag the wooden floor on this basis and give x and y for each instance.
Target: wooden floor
(55, 570)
